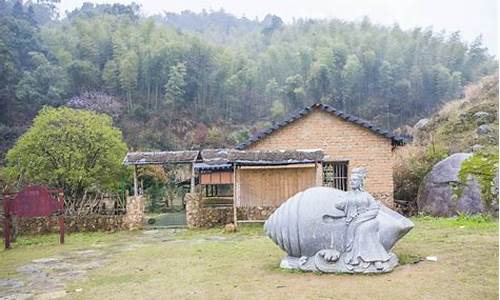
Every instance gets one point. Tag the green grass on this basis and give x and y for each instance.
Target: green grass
(245, 265)
(27, 248)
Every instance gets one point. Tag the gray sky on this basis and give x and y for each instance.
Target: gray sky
(471, 17)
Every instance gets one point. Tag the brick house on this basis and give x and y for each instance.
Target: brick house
(347, 141)
(317, 146)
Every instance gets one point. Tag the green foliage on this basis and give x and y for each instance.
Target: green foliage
(294, 91)
(215, 137)
(466, 219)
(174, 88)
(461, 221)
(277, 110)
(239, 136)
(84, 75)
(213, 67)
(409, 258)
(410, 170)
(484, 167)
(128, 74)
(156, 194)
(46, 84)
(75, 150)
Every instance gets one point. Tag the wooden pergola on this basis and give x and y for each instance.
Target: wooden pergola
(137, 159)
(229, 161)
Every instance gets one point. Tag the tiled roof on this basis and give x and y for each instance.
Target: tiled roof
(222, 158)
(396, 139)
(163, 157)
(262, 157)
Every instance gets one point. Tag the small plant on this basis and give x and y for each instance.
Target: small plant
(467, 219)
(408, 258)
(483, 166)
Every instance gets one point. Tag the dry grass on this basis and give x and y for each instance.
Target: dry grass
(195, 265)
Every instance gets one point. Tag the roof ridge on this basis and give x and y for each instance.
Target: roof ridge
(299, 113)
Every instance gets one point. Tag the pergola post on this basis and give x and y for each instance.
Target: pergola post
(136, 192)
(319, 174)
(193, 179)
(235, 196)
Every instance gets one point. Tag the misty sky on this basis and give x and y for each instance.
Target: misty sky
(471, 17)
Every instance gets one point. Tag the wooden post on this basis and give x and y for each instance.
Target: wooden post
(193, 180)
(61, 218)
(319, 174)
(6, 222)
(235, 196)
(136, 192)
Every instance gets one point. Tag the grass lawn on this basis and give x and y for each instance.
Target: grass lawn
(209, 264)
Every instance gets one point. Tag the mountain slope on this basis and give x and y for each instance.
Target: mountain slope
(469, 124)
(464, 124)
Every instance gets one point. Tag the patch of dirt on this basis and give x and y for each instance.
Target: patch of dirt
(46, 278)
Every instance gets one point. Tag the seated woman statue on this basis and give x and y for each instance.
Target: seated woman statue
(362, 246)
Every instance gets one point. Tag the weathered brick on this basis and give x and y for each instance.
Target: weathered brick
(340, 140)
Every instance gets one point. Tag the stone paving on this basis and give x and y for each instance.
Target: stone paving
(46, 278)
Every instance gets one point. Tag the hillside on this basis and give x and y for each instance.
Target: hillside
(466, 124)
(469, 125)
(206, 79)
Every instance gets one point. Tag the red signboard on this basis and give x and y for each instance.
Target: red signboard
(33, 201)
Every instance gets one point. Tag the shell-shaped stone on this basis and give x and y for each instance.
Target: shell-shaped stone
(309, 221)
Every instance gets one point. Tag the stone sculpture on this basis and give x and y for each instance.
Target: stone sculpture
(332, 231)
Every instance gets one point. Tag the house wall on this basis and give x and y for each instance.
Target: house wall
(340, 140)
(269, 187)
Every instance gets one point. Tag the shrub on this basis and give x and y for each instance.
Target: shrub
(71, 149)
(412, 164)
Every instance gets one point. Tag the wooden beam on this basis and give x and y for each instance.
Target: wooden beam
(136, 192)
(291, 166)
(252, 221)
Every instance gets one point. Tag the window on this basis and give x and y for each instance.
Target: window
(218, 190)
(335, 174)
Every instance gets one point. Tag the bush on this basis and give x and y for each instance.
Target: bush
(412, 164)
(75, 150)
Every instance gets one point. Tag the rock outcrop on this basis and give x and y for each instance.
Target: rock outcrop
(438, 195)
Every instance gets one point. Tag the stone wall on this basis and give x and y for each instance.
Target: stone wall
(198, 216)
(341, 141)
(255, 213)
(42, 225)
(133, 219)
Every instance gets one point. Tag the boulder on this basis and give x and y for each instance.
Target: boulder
(483, 129)
(421, 124)
(437, 194)
(477, 147)
(482, 117)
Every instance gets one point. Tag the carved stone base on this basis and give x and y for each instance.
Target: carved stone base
(331, 261)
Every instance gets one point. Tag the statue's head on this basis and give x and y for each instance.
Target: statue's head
(358, 179)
